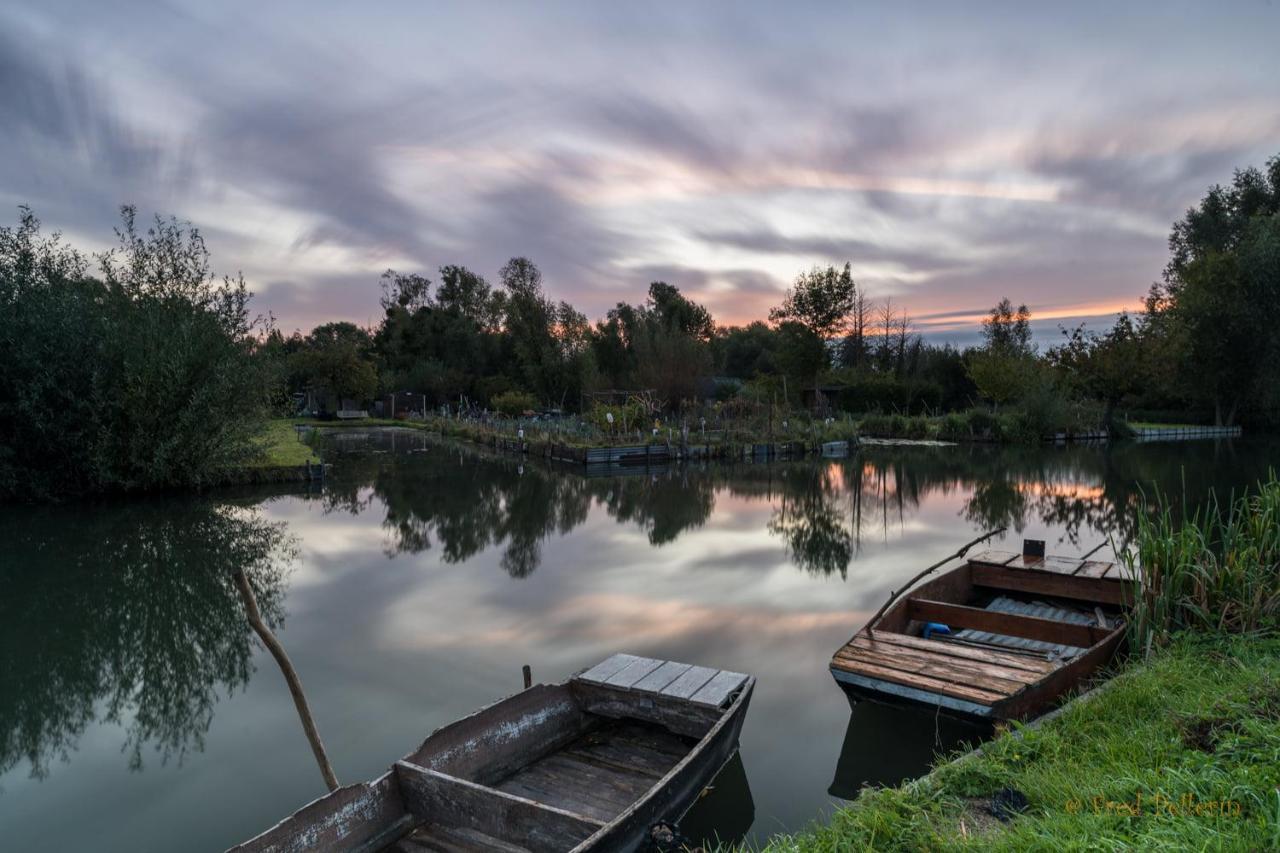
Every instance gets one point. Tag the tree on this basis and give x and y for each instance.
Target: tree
(410, 291)
(1105, 367)
(468, 295)
(1008, 330)
(802, 353)
(1220, 293)
(856, 350)
(822, 299)
(743, 352)
(550, 342)
(663, 344)
(1001, 376)
(1005, 368)
(143, 378)
(335, 360)
(671, 309)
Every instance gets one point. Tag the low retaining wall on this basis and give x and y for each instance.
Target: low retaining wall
(646, 454)
(1185, 433)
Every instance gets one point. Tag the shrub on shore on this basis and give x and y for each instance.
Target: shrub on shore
(142, 377)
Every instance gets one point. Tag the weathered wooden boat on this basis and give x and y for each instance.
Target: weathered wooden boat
(590, 764)
(998, 638)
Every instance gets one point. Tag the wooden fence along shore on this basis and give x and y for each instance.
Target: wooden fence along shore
(1185, 432)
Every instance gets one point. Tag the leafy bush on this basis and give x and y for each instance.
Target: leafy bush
(1018, 428)
(983, 424)
(626, 417)
(143, 378)
(868, 392)
(954, 427)
(880, 426)
(514, 403)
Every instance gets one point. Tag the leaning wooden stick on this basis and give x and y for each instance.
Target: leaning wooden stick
(957, 555)
(1095, 550)
(290, 676)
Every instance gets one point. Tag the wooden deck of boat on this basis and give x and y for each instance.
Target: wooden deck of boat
(606, 769)
(598, 775)
(980, 679)
(649, 677)
(974, 675)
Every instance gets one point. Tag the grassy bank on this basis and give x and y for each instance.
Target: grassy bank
(1181, 752)
(281, 446)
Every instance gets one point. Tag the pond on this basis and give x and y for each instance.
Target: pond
(137, 711)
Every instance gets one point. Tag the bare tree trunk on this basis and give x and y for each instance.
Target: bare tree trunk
(290, 676)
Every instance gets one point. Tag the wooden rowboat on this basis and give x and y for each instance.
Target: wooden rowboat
(590, 764)
(999, 638)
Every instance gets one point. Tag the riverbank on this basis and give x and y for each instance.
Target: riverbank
(573, 440)
(283, 457)
(1178, 752)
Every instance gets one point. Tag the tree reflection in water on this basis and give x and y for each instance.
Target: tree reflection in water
(139, 625)
(824, 510)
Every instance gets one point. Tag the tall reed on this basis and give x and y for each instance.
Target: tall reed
(1215, 571)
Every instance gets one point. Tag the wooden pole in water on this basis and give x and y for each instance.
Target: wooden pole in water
(957, 555)
(290, 676)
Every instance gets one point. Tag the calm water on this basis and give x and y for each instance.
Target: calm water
(136, 712)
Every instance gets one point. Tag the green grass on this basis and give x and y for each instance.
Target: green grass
(1215, 571)
(281, 446)
(354, 423)
(1201, 720)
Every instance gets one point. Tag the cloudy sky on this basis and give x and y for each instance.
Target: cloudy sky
(953, 153)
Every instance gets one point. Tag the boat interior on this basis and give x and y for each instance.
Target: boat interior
(589, 762)
(998, 637)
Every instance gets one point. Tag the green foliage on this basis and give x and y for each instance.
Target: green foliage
(1102, 367)
(866, 391)
(1008, 330)
(663, 345)
(550, 341)
(335, 362)
(896, 426)
(282, 445)
(1216, 570)
(144, 378)
(1213, 313)
(514, 403)
(1002, 376)
(626, 417)
(822, 300)
(983, 424)
(801, 353)
(746, 351)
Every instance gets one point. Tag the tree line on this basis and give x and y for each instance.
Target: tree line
(1202, 347)
(139, 368)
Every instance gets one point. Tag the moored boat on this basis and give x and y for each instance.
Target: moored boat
(1001, 637)
(593, 763)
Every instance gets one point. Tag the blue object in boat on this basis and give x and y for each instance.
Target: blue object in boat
(935, 628)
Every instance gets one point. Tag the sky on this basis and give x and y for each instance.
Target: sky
(951, 153)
